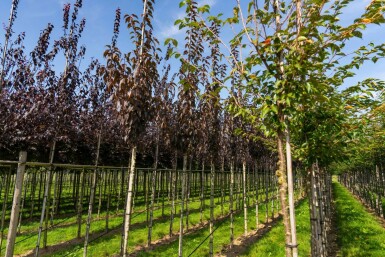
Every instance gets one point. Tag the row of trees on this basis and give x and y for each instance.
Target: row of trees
(125, 104)
(281, 69)
(290, 78)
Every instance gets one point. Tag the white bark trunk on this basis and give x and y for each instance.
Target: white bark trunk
(127, 218)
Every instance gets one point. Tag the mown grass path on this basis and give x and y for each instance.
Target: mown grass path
(358, 232)
(273, 242)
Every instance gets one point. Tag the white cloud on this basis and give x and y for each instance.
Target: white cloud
(170, 31)
(167, 27)
(209, 2)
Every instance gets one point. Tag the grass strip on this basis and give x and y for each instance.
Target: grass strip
(273, 242)
(358, 232)
(110, 244)
(221, 236)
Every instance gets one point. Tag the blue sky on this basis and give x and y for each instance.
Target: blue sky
(33, 16)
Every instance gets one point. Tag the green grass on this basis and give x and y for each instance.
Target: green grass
(221, 236)
(273, 242)
(109, 244)
(359, 233)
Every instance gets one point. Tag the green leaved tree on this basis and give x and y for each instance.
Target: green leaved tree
(293, 57)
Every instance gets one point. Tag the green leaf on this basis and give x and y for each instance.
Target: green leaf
(301, 38)
(173, 41)
(182, 3)
(357, 34)
(204, 9)
(265, 110)
(274, 109)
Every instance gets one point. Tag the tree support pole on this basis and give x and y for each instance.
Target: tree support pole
(16, 204)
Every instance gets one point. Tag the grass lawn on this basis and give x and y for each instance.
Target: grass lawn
(273, 242)
(359, 233)
(110, 244)
(221, 236)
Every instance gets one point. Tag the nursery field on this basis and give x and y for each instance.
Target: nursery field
(156, 216)
(192, 128)
(251, 227)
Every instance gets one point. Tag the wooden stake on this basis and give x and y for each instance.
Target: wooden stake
(11, 238)
(4, 208)
(46, 197)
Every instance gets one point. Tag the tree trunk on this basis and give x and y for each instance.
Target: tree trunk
(244, 197)
(46, 197)
(231, 202)
(55, 193)
(212, 178)
(256, 197)
(188, 193)
(108, 199)
(46, 219)
(92, 196)
(32, 194)
(266, 180)
(173, 189)
(153, 187)
(11, 238)
(80, 203)
(222, 184)
(100, 194)
(291, 195)
(180, 245)
(90, 207)
(281, 175)
(128, 209)
(202, 196)
(25, 185)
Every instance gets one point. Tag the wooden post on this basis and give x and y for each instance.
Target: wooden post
(45, 198)
(4, 208)
(16, 204)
